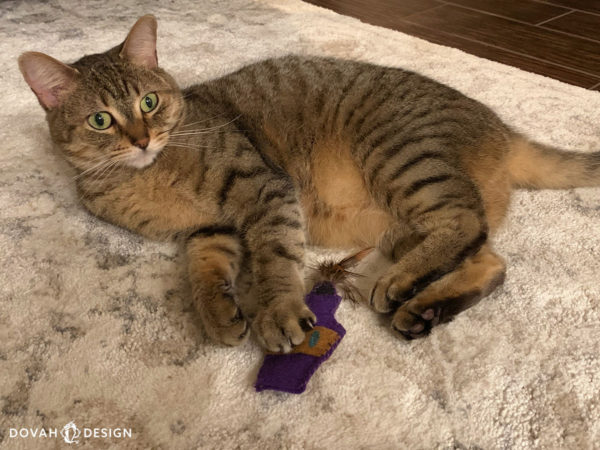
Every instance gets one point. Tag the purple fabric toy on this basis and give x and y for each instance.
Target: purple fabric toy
(291, 372)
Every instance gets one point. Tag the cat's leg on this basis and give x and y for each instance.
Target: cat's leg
(214, 255)
(442, 243)
(398, 240)
(274, 236)
(474, 279)
(423, 187)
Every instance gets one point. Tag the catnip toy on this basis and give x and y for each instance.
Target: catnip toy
(290, 372)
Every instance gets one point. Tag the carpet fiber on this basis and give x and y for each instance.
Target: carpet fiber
(96, 326)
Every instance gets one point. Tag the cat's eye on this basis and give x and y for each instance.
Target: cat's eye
(149, 102)
(100, 120)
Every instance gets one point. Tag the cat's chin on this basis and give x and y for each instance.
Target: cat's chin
(140, 159)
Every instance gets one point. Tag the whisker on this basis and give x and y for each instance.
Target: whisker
(209, 129)
(196, 133)
(93, 181)
(188, 144)
(160, 133)
(101, 159)
(98, 174)
(111, 171)
(103, 172)
(188, 95)
(203, 120)
(91, 169)
(117, 156)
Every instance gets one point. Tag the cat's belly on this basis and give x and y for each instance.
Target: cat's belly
(339, 210)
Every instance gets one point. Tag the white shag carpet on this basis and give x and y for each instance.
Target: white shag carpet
(96, 326)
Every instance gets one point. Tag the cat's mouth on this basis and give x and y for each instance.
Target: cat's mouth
(140, 158)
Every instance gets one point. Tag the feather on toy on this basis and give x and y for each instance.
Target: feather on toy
(290, 372)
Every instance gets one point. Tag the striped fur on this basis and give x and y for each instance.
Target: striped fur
(248, 167)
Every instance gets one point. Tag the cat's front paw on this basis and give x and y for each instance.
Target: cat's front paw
(222, 318)
(283, 324)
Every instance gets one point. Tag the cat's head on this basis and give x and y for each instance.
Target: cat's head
(117, 106)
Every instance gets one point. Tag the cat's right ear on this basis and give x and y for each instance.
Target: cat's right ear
(49, 79)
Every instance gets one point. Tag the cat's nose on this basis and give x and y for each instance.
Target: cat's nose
(142, 143)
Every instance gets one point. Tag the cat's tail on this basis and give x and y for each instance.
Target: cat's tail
(534, 165)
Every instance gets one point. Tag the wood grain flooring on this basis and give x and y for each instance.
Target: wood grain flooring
(556, 38)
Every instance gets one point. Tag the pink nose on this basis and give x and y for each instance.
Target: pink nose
(142, 143)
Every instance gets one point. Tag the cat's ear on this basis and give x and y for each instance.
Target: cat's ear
(48, 78)
(140, 46)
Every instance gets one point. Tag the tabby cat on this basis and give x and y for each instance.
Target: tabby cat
(243, 170)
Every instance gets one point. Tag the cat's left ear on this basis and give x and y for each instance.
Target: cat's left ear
(140, 46)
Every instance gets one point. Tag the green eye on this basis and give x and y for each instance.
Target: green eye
(100, 120)
(149, 102)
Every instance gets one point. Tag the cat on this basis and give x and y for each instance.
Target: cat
(246, 169)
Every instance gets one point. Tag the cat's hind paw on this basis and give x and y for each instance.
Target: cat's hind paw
(412, 325)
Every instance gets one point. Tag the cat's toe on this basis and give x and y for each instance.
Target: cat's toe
(410, 325)
(282, 325)
(223, 321)
(389, 292)
(233, 334)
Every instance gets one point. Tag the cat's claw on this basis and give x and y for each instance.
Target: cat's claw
(223, 320)
(283, 324)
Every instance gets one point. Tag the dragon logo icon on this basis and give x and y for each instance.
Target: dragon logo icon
(70, 433)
